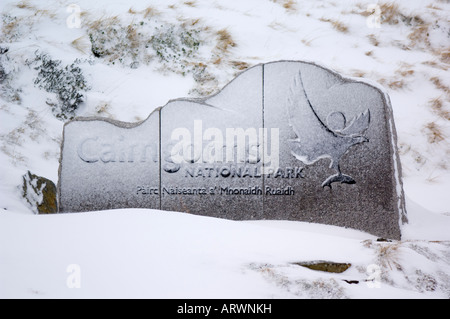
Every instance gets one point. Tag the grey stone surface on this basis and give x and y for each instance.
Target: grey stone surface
(284, 140)
(214, 178)
(108, 164)
(341, 132)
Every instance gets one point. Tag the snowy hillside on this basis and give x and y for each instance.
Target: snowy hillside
(122, 59)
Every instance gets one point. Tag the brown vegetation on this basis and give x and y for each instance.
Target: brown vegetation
(225, 41)
(434, 133)
(437, 106)
(337, 25)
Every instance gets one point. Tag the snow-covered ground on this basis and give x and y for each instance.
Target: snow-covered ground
(140, 65)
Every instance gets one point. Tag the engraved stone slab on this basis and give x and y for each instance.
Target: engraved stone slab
(341, 132)
(284, 140)
(214, 144)
(108, 164)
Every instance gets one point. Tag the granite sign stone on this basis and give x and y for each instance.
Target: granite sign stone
(284, 140)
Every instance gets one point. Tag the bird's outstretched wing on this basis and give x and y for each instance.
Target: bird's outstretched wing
(314, 138)
(358, 125)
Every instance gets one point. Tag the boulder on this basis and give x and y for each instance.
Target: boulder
(40, 193)
(327, 266)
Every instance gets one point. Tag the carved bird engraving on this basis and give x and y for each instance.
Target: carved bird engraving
(317, 140)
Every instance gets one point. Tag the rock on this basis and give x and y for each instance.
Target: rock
(384, 240)
(286, 140)
(327, 266)
(40, 193)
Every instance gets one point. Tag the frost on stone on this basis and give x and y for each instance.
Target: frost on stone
(319, 139)
(40, 193)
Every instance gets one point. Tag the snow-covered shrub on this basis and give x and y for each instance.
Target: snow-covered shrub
(67, 82)
(175, 43)
(108, 37)
(10, 28)
(126, 44)
(3, 72)
(184, 46)
(7, 68)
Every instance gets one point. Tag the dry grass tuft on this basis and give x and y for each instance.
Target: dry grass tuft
(132, 11)
(147, 12)
(190, 3)
(9, 29)
(390, 13)
(405, 70)
(240, 65)
(362, 10)
(358, 73)
(150, 12)
(289, 5)
(24, 5)
(438, 107)
(103, 109)
(395, 85)
(437, 82)
(434, 64)
(82, 44)
(132, 36)
(32, 127)
(441, 86)
(373, 40)
(45, 13)
(445, 57)
(419, 35)
(434, 133)
(225, 41)
(194, 21)
(337, 25)
(388, 253)
(187, 23)
(103, 22)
